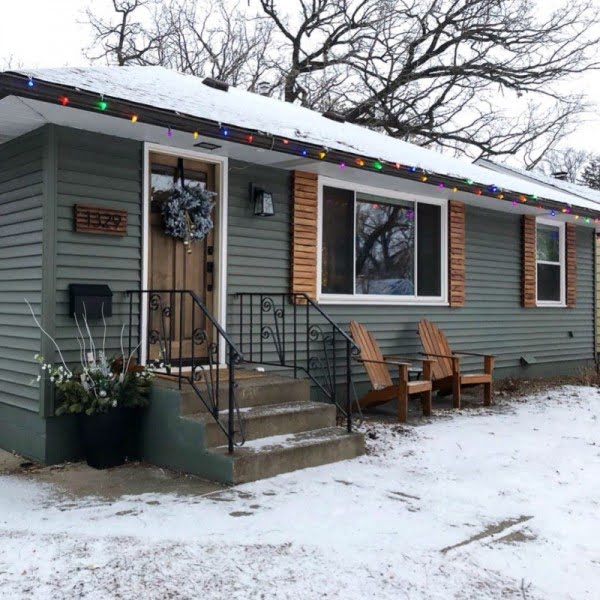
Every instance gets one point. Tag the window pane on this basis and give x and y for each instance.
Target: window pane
(385, 236)
(548, 282)
(548, 243)
(429, 250)
(338, 239)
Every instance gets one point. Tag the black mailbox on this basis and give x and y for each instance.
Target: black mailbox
(91, 300)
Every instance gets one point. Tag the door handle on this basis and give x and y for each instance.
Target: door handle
(210, 275)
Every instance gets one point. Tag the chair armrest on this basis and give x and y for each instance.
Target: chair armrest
(382, 362)
(474, 354)
(438, 355)
(410, 358)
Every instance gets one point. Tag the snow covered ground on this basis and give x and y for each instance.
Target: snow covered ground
(487, 503)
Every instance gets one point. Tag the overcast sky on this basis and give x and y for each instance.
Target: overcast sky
(51, 33)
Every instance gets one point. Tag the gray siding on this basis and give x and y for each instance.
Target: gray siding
(21, 251)
(105, 171)
(259, 248)
(492, 320)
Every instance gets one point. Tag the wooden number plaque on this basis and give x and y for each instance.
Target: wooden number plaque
(97, 219)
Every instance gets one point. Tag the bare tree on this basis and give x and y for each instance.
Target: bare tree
(590, 175)
(212, 38)
(479, 77)
(10, 62)
(566, 163)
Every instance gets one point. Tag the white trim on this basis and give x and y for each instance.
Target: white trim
(561, 263)
(220, 243)
(373, 299)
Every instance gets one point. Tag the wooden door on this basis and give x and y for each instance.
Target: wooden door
(174, 321)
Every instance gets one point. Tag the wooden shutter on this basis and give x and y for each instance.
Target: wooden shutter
(528, 277)
(456, 245)
(571, 263)
(304, 234)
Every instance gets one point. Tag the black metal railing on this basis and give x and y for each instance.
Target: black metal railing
(290, 330)
(182, 335)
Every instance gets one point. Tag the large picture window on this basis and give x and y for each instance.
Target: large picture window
(550, 257)
(381, 249)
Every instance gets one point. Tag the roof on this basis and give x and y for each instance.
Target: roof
(575, 189)
(187, 95)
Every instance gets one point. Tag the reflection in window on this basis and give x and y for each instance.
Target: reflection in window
(385, 236)
(338, 246)
(165, 178)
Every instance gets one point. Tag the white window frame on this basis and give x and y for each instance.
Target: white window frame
(374, 299)
(562, 263)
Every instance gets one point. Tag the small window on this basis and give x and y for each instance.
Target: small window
(550, 257)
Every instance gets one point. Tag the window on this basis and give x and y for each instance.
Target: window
(550, 263)
(381, 249)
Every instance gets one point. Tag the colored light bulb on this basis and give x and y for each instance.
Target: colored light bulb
(64, 100)
(322, 154)
(250, 138)
(377, 165)
(134, 118)
(196, 135)
(30, 82)
(342, 165)
(102, 105)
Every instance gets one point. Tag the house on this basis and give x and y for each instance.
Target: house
(580, 191)
(316, 222)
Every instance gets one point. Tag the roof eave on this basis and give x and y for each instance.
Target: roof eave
(16, 84)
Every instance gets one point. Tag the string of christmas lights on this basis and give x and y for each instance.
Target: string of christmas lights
(325, 154)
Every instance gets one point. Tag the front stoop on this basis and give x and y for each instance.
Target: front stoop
(284, 431)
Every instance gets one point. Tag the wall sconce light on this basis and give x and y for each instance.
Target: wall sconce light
(263, 202)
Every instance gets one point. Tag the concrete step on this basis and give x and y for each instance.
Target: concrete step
(267, 457)
(270, 419)
(250, 391)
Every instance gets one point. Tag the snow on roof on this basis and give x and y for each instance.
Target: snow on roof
(572, 188)
(172, 91)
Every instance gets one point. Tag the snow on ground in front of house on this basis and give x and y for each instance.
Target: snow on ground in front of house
(488, 503)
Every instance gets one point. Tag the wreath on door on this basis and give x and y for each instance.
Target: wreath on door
(187, 214)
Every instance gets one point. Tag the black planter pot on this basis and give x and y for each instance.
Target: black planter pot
(103, 438)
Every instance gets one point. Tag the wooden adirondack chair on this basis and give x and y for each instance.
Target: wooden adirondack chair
(384, 389)
(446, 371)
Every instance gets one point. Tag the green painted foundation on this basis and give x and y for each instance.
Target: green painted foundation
(170, 441)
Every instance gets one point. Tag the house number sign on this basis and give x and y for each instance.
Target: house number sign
(97, 219)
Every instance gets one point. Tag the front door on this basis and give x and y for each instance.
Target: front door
(178, 330)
